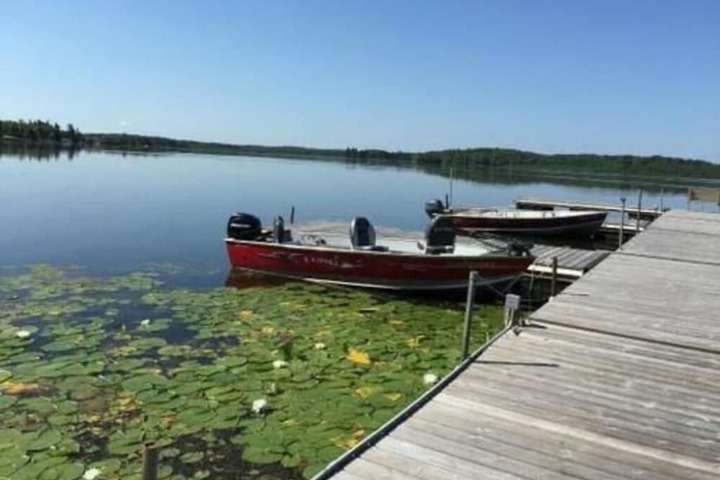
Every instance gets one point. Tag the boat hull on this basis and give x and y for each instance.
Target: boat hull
(371, 269)
(584, 225)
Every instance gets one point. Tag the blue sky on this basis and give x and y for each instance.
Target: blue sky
(610, 76)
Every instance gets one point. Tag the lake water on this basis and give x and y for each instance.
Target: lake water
(267, 383)
(116, 212)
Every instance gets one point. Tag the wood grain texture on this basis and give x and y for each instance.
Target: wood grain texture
(618, 377)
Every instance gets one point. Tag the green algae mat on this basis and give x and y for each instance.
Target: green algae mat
(267, 382)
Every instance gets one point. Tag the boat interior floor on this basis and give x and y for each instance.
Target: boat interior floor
(392, 244)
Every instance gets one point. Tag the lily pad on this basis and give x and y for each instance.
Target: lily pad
(260, 455)
(191, 457)
(188, 381)
(44, 440)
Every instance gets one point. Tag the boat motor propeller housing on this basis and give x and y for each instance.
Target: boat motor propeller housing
(434, 207)
(243, 226)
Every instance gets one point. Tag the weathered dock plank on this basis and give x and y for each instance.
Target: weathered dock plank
(558, 402)
(572, 262)
(680, 235)
(656, 299)
(617, 377)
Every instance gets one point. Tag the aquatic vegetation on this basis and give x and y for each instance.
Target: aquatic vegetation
(430, 378)
(255, 383)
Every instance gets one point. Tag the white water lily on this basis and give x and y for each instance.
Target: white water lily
(92, 474)
(259, 405)
(145, 322)
(319, 346)
(430, 378)
(22, 334)
(280, 364)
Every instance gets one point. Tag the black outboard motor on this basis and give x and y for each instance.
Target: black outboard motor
(434, 207)
(440, 236)
(243, 226)
(362, 233)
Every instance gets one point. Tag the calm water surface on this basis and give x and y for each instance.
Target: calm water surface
(101, 366)
(114, 212)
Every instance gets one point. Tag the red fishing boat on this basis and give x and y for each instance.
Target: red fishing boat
(434, 263)
(479, 220)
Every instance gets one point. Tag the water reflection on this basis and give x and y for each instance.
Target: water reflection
(42, 153)
(105, 210)
(239, 278)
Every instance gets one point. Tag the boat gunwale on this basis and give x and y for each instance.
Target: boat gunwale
(478, 212)
(338, 249)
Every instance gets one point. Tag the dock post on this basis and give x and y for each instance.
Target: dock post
(622, 224)
(662, 195)
(292, 215)
(150, 461)
(468, 314)
(553, 279)
(639, 209)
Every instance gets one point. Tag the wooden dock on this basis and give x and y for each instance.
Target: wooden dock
(549, 204)
(616, 378)
(573, 263)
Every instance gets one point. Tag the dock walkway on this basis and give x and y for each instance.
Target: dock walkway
(618, 377)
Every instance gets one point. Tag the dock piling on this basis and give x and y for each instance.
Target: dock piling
(553, 279)
(468, 314)
(639, 209)
(150, 461)
(622, 223)
(662, 195)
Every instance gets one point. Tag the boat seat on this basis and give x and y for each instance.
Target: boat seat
(362, 235)
(439, 236)
(279, 233)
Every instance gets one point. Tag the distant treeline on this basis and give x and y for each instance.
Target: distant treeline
(36, 132)
(463, 163)
(142, 143)
(468, 160)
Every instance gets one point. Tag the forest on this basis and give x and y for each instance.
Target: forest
(36, 132)
(463, 163)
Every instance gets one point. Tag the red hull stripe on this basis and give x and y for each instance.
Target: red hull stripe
(372, 269)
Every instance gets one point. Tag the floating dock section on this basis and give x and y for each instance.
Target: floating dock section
(616, 378)
(572, 263)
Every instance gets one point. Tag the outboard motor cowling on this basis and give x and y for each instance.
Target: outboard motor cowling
(362, 233)
(243, 226)
(434, 207)
(440, 236)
